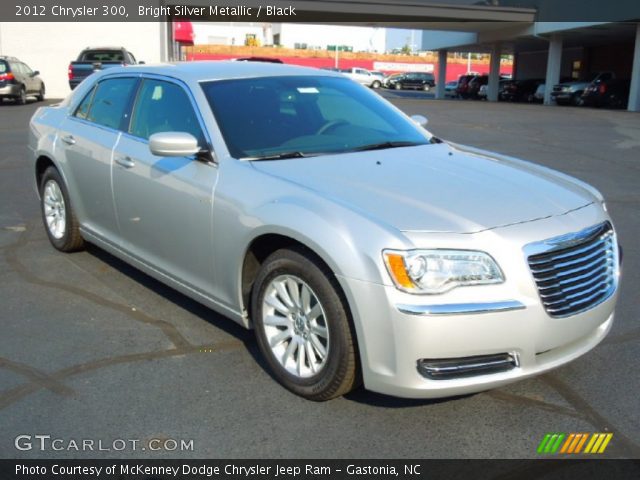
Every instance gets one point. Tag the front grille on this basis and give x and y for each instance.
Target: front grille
(576, 272)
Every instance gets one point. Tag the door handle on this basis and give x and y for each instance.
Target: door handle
(68, 139)
(126, 162)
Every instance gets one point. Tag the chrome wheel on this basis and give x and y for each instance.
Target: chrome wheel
(295, 326)
(54, 209)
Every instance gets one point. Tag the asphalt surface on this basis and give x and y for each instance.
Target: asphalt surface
(92, 349)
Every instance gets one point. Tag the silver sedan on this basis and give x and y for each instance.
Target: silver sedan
(357, 245)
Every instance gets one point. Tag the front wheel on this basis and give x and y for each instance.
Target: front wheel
(376, 84)
(426, 88)
(302, 326)
(397, 86)
(40, 95)
(57, 215)
(577, 100)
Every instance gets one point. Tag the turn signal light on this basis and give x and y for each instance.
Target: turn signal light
(398, 270)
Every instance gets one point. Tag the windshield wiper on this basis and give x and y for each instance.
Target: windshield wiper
(384, 145)
(279, 156)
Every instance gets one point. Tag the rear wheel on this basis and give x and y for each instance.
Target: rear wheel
(302, 326)
(58, 216)
(21, 99)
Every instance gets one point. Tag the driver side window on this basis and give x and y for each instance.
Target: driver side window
(163, 107)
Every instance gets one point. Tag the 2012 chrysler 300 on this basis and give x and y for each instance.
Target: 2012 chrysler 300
(358, 246)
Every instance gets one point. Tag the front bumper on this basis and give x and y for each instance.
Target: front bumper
(562, 97)
(396, 331)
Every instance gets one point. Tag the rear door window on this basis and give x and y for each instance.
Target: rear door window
(110, 102)
(83, 109)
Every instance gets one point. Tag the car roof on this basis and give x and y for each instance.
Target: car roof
(104, 48)
(198, 71)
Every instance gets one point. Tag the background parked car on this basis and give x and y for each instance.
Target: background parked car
(390, 80)
(99, 58)
(570, 92)
(17, 81)
(413, 80)
(484, 89)
(362, 76)
(380, 75)
(450, 89)
(611, 93)
(520, 90)
(473, 87)
(258, 59)
(463, 85)
(538, 96)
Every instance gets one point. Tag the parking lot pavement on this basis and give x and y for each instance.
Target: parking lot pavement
(92, 349)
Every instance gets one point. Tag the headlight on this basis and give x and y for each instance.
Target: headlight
(438, 271)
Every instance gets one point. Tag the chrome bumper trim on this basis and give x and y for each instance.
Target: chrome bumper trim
(461, 308)
(449, 368)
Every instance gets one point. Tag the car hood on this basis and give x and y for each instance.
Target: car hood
(573, 84)
(435, 188)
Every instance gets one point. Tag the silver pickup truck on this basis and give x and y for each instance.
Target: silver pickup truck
(362, 76)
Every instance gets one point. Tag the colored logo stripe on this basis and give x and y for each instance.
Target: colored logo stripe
(574, 442)
(550, 442)
(598, 442)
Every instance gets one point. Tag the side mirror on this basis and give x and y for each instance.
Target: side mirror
(141, 62)
(420, 120)
(173, 144)
(35, 72)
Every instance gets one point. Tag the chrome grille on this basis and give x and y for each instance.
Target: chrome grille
(575, 272)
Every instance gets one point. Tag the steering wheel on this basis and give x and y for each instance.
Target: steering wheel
(332, 124)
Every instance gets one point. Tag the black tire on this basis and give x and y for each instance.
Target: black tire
(397, 86)
(576, 99)
(71, 240)
(426, 88)
(40, 95)
(339, 374)
(615, 101)
(376, 84)
(21, 99)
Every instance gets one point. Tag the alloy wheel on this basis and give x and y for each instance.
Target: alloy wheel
(54, 209)
(295, 326)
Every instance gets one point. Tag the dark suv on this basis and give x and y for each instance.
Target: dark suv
(414, 80)
(17, 81)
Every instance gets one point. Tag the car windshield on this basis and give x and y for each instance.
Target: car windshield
(297, 116)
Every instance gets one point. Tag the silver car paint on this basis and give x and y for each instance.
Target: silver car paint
(191, 223)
